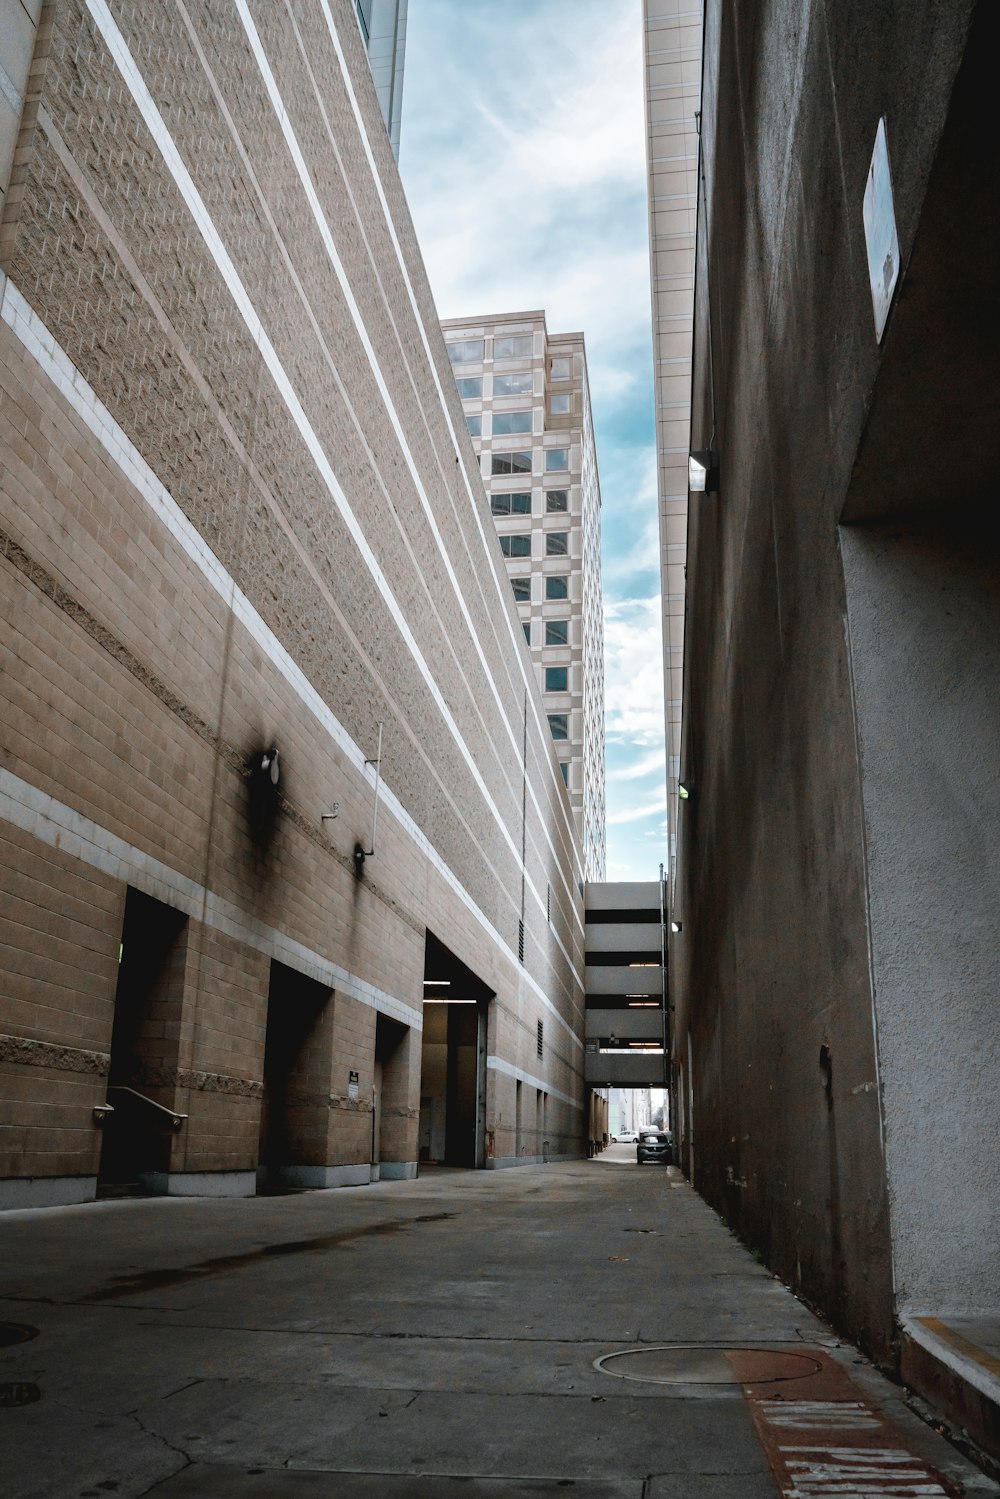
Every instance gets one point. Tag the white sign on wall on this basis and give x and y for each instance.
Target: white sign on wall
(881, 238)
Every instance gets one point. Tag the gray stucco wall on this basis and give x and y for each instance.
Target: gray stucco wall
(924, 606)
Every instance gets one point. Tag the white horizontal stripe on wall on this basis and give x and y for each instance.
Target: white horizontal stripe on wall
(50, 821)
(498, 1064)
(203, 222)
(500, 583)
(55, 363)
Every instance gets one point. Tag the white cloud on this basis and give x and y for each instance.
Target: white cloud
(654, 764)
(650, 808)
(523, 155)
(633, 671)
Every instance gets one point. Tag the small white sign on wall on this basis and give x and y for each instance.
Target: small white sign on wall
(881, 238)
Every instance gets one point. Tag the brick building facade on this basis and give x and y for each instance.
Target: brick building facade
(244, 534)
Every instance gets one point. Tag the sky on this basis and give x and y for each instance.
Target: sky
(523, 158)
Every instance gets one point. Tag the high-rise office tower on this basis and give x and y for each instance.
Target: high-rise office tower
(383, 26)
(672, 53)
(527, 405)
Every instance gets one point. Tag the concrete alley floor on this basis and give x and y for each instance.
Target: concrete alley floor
(421, 1339)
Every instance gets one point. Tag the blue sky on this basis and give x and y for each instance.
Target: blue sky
(523, 157)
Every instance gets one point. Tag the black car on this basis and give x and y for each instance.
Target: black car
(655, 1145)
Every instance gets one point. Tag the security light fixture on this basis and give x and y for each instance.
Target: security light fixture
(438, 983)
(684, 789)
(703, 471)
(268, 766)
(676, 926)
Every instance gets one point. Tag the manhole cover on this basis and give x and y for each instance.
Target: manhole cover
(699, 1364)
(16, 1332)
(21, 1392)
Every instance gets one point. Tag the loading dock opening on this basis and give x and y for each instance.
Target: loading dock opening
(453, 1061)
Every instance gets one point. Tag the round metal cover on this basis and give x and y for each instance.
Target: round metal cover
(16, 1332)
(706, 1364)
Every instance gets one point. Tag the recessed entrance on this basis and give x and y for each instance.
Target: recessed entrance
(295, 1108)
(389, 1093)
(453, 1061)
(145, 1035)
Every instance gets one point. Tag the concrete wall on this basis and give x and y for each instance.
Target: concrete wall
(240, 512)
(785, 978)
(672, 57)
(924, 606)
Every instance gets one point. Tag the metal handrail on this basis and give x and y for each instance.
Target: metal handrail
(176, 1119)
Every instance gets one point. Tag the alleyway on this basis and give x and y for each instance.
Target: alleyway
(391, 1339)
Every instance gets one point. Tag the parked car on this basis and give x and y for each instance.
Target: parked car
(654, 1145)
(626, 1137)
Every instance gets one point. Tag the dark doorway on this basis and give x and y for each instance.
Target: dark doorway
(390, 1111)
(295, 1108)
(453, 1061)
(145, 1036)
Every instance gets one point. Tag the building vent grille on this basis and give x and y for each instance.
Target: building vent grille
(520, 941)
(541, 1036)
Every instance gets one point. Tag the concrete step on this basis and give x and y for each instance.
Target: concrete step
(953, 1361)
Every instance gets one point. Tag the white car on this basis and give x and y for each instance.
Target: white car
(626, 1137)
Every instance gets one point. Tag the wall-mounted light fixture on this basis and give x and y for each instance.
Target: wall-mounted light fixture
(360, 852)
(676, 926)
(684, 790)
(268, 766)
(703, 471)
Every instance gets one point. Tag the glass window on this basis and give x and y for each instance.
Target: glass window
(557, 586)
(511, 463)
(556, 678)
(517, 503)
(556, 458)
(557, 632)
(470, 387)
(474, 424)
(512, 348)
(557, 544)
(564, 771)
(512, 385)
(467, 351)
(365, 17)
(556, 499)
(526, 627)
(560, 405)
(505, 423)
(515, 546)
(559, 724)
(522, 589)
(559, 368)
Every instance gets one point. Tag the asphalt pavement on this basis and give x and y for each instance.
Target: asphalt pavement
(418, 1340)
